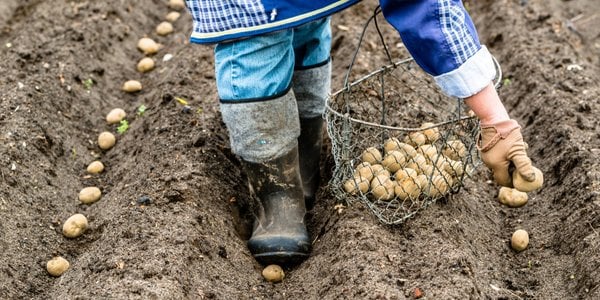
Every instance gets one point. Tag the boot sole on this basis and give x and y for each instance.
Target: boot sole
(282, 258)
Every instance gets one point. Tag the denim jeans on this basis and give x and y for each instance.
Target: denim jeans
(261, 67)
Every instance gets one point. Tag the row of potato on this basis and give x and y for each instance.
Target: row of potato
(77, 224)
(410, 169)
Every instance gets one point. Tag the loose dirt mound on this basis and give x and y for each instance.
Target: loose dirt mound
(63, 63)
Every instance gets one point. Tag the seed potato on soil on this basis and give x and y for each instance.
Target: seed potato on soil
(148, 46)
(106, 140)
(512, 197)
(145, 64)
(273, 273)
(164, 28)
(519, 240)
(115, 116)
(90, 195)
(177, 4)
(172, 16)
(132, 86)
(95, 167)
(75, 226)
(57, 266)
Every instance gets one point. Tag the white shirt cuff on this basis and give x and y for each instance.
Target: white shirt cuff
(471, 77)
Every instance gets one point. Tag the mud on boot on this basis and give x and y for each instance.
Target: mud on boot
(280, 236)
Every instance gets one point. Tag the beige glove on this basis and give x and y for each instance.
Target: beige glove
(500, 144)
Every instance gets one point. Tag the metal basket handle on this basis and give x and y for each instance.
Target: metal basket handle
(376, 12)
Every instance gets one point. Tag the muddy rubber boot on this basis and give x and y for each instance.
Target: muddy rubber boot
(309, 147)
(279, 235)
(311, 86)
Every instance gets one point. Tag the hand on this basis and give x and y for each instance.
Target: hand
(500, 144)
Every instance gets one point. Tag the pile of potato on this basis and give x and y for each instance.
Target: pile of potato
(419, 166)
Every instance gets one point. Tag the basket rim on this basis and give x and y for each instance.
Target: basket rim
(371, 124)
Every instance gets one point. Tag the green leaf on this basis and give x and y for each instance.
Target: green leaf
(141, 110)
(123, 126)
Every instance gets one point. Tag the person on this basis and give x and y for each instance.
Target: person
(273, 70)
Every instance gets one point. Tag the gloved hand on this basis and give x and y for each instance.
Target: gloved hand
(500, 144)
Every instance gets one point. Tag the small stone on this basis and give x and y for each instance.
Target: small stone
(144, 200)
(186, 109)
(167, 57)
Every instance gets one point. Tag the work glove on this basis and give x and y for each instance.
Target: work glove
(500, 145)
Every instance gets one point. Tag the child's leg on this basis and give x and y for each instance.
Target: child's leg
(254, 83)
(311, 84)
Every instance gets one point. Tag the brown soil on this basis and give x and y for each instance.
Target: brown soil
(189, 241)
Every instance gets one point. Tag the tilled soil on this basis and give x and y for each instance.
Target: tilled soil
(63, 63)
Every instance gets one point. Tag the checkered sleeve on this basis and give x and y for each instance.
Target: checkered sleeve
(222, 15)
(440, 35)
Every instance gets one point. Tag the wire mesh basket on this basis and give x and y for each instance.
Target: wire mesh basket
(398, 143)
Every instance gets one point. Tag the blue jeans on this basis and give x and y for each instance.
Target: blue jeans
(261, 67)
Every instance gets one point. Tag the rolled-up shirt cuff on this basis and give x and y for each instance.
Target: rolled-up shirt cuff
(471, 77)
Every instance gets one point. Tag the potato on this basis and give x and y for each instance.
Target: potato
(428, 170)
(115, 116)
(455, 149)
(519, 240)
(432, 134)
(356, 184)
(438, 187)
(422, 181)
(106, 140)
(440, 162)
(164, 28)
(176, 4)
(148, 46)
(382, 187)
(371, 155)
(394, 161)
(95, 167)
(57, 266)
(132, 86)
(371, 171)
(407, 150)
(362, 164)
(146, 64)
(74, 226)
(172, 16)
(512, 197)
(391, 144)
(404, 174)
(90, 195)
(417, 163)
(416, 139)
(429, 151)
(408, 189)
(454, 168)
(525, 186)
(273, 273)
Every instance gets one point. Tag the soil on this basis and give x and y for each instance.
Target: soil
(63, 63)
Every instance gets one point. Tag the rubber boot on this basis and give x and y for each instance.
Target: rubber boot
(279, 235)
(311, 86)
(309, 147)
